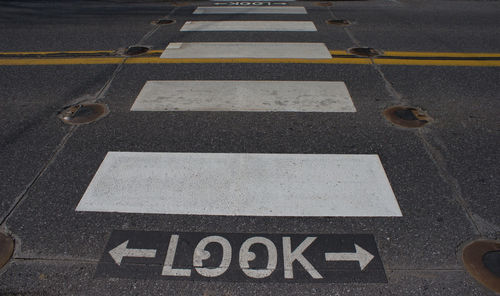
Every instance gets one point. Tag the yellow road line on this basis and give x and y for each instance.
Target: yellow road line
(407, 58)
(156, 60)
(55, 52)
(334, 52)
(409, 62)
(60, 61)
(441, 54)
(339, 52)
(429, 54)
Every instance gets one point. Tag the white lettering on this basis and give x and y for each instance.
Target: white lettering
(289, 257)
(246, 256)
(169, 260)
(201, 254)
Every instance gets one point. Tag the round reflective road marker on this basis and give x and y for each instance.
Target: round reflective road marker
(406, 116)
(481, 258)
(83, 113)
(136, 50)
(163, 22)
(364, 51)
(6, 248)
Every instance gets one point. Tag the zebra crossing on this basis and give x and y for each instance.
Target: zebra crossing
(242, 184)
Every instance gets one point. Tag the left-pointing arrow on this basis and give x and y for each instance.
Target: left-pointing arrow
(122, 251)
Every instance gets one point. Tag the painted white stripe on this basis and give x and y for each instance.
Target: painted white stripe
(246, 50)
(256, 26)
(261, 96)
(241, 184)
(250, 10)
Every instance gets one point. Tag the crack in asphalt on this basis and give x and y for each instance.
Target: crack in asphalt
(22, 196)
(72, 129)
(434, 151)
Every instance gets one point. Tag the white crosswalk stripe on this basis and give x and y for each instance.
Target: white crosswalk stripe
(299, 50)
(241, 184)
(276, 96)
(257, 26)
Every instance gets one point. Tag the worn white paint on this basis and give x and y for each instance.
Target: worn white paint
(246, 256)
(236, 184)
(168, 270)
(209, 95)
(196, 50)
(123, 251)
(361, 255)
(290, 256)
(256, 26)
(250, 10)
(200, 255)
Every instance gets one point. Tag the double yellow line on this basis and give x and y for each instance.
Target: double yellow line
(338, 57)
(438, 59)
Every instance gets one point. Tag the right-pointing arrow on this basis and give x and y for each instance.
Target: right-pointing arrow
(361, 255)
(122, 251)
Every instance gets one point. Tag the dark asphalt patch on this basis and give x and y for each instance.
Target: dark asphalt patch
(238, 257)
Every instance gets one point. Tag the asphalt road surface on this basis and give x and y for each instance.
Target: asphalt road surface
(244, 149)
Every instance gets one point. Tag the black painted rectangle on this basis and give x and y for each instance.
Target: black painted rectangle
(342, 271)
